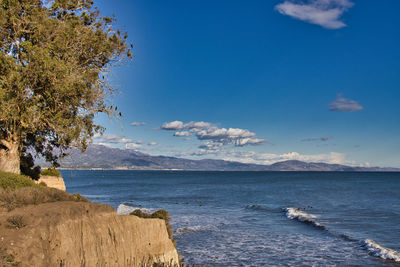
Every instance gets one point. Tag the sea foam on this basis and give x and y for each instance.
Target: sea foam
(184, 230)
(125, 209)
(302, 216)
(379, 251)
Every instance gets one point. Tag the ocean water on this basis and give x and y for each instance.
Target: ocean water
(263, 218)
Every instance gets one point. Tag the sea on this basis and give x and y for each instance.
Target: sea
(262, 218)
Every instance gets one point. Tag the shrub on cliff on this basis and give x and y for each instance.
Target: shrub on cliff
(140, 214)
(161, 214)
(11, 181)
(51, 172)
(18, 190)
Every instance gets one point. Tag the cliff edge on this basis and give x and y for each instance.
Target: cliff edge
(69, 233)
(52, 181)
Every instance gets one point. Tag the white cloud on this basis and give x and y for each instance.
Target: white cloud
(254, 157)
(211, 146)
(344, 105)
(173, 125)
(209, 132)
(182, 133)
(135, 123)
(235, 136)
(266, 158)
(326, 13)
(152, 143)
(104, 144)
(111, 139)
(198, 125)
(134, 146)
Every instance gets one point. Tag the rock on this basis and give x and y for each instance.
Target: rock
(52, 181)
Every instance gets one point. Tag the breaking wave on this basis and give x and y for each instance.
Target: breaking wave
(379, 251)
(197, 228)
(371, 246)
(302, 216)
(125, 209)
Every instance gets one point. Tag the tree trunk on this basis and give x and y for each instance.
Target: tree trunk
(9, 156)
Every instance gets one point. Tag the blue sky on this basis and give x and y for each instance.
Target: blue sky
(314, 80)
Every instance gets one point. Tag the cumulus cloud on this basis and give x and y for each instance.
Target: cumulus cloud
(344, 105)
(135, 123)
(173, 125)
(208, 148)
(209, 132)
(182, 133)
(311, 139)
(198, 125)
(111, 139)
(326, 13)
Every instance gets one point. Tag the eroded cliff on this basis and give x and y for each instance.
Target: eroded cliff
(83, 234)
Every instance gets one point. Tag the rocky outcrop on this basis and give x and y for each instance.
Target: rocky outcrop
(52, 181)
(84, 234)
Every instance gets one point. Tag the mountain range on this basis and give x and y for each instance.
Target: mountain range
(103, 157)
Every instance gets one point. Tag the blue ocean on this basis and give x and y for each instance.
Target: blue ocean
(262, 218)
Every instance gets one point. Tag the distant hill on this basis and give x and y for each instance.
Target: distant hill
(102, 157)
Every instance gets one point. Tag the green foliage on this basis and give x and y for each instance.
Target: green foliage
(51, 172)
(140, 214)
(10, 181)
(28, 167)
(161, 214)
(54, 60)
(78, 197)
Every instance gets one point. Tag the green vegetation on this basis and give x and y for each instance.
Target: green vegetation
(11, 181)
(51, 172)
(54, 61)
(159, 214)
(18, 190)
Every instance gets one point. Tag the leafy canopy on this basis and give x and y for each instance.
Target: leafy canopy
(54, 57)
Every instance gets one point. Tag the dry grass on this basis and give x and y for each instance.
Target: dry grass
(34, 196)
(18, 190)
(7, 260)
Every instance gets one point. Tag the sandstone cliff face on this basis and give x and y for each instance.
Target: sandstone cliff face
(85, 234)
(53, 181)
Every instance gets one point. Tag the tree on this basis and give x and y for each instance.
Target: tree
(54, 60)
